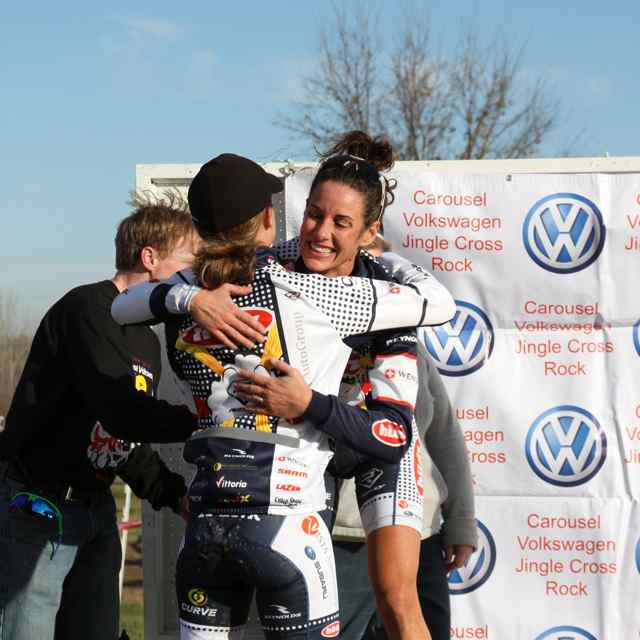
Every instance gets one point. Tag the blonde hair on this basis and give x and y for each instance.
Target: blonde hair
(160, 222)
(228, 256)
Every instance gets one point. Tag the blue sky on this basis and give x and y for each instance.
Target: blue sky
(88, 92)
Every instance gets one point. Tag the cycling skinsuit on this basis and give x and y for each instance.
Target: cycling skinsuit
(259, 466)
(381, 376)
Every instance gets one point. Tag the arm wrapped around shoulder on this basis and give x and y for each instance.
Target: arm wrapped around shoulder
(440, 303)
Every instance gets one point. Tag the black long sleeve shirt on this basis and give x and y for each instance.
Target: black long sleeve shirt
(87, 386)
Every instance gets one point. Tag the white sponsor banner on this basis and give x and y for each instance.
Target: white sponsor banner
(505, 236)
(542, 362)
(544, 564)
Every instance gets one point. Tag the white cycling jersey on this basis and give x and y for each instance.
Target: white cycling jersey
(250, 463)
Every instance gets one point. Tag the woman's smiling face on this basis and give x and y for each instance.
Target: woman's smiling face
(333, 229)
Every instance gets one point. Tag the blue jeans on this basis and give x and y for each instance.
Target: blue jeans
(72, 595)
(358, 615)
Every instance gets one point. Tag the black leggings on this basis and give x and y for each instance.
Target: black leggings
(286, 560)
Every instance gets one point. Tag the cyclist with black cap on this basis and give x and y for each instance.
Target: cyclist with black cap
(259, 488)
(347, 199)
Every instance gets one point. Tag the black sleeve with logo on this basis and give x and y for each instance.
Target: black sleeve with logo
(77, 401)
(106, 363)
(389, 418)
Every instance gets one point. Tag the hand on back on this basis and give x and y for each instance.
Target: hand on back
(215, 311)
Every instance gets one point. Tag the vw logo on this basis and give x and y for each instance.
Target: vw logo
(566, 633)
(463, 344)
(563, 232)
(479, 566)
(310, 553)
(636, 336)
(566, 446)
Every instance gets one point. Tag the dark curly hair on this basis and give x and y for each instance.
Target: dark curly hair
(357, 160)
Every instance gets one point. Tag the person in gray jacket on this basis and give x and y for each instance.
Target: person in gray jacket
(449, 525)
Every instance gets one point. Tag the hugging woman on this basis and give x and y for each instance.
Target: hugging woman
(259, 490)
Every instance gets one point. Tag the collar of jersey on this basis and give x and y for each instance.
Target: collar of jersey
(264, 256)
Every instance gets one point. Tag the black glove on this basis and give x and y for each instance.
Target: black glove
(345, 461)
(150, 478)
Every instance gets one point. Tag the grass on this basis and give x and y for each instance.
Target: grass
(132, 606)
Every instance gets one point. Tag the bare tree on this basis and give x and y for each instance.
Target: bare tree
(14, 348)
(343, 92)
(475, 103)
(501, 118)
(417, 111)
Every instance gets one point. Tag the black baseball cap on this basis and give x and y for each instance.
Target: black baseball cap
(229, 190)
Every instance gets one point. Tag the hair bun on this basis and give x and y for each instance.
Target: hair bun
(377, 151)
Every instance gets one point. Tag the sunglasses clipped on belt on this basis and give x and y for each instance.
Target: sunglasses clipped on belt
(32, 503)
